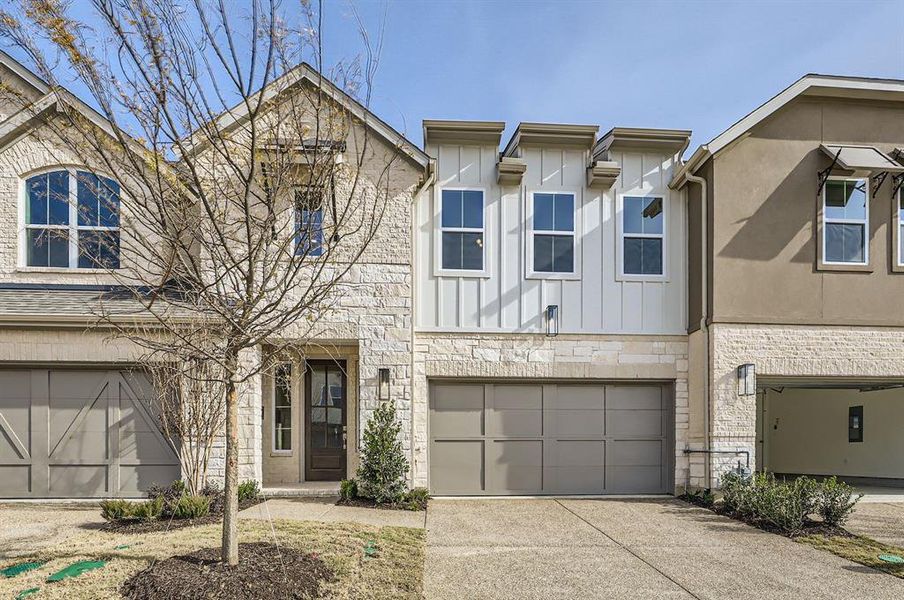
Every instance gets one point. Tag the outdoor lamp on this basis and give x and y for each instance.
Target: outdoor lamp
(383, 384)
(552, 320)
(746, 380)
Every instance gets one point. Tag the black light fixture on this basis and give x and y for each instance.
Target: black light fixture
(552, 320)
(746, 380)
(383, 384)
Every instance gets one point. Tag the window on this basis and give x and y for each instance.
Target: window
(462, 230)
(63, 233)
(553, 233)
(901, 227)
(309, 222)
(282, 408)
(845, 221)
(643, 235)
(855, 424)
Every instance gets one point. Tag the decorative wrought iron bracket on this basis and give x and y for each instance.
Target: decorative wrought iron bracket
(824, 174)
(878, 180)
(896, 183)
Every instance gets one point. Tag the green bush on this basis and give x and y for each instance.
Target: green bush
(148, 510)
(836, 501)
(383, 470)
(416, 498)
(249, 490)
(192, 507)
(116, 510)
(786, 505)
(348, 489)
(735, 492)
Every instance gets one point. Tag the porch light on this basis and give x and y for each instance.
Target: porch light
(383, 384)
(552, 320)
(746, 380)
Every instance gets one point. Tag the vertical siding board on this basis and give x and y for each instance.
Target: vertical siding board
(591, 284)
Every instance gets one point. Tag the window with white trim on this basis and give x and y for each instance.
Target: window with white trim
(71, 221)
(643, 235)
(462, 230)
(282, 408)
(900, 227)
(309, 222)
(553, 233)
(845, 214)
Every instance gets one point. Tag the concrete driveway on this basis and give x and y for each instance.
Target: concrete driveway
(549, 548)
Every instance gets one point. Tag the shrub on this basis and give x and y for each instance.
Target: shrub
(249, 490)
(215, 494)
(383, 469)
(348, 489)
(786, 505)
(168, 494)
(735, 492)
(700, 497)
(416, 498)
(116, 510)
(835, 501)
(192, 507)
(147, 510)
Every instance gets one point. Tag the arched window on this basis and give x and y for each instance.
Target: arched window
(71, 221)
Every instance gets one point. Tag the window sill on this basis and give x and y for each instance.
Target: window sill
(642, 278)
(554, 276)
(461, 273)
(897, 269)
(66, 270)
(844, 268)
(280, 454)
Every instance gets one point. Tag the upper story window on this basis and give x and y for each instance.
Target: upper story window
(462, 230)
(845, 214)
(643, 235)
(553, 233)
(71, 221)
(900, 227)
(309, 222)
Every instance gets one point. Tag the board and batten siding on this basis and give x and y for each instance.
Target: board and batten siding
(506, 300)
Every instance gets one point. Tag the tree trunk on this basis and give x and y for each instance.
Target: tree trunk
(230, 549)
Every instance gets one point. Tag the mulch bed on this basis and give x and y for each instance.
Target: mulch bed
(166, 524)
(264, 572)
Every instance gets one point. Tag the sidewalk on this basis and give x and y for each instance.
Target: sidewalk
(325, 509)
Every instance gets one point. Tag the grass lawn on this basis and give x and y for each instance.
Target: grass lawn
(858, 549)
(395, 572)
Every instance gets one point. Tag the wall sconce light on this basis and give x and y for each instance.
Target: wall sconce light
(552, 320)
(746, 380)
(383, 384)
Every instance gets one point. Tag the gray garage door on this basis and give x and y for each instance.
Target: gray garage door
(79, 433)
(549, 438)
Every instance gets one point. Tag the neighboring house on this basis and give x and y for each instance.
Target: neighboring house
(543, 313)
(804, 280)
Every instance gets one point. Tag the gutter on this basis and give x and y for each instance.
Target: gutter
(704, 305)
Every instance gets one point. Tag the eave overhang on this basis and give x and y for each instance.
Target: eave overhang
(603, 174)
(556, 135)
(510, 171)
(467, 133)
(666, 141)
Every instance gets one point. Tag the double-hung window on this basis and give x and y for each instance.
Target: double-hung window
(462, 230)
(900, 206)
(845, 213)
(66, 230)
(309, 222)
(553, 233)
(643, 235)
(282, 408)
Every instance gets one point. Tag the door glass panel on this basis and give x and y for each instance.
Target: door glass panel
(327, 406)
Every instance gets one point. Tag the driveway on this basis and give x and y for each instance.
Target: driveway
(548, 548)
(26, 527)
(882, 521)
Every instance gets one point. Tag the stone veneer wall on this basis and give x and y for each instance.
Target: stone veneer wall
(534, 356)
(787, 351)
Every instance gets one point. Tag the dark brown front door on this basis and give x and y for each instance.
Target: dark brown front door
(324, 421)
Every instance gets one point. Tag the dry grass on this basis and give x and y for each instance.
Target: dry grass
(396, 571)
(858, 549)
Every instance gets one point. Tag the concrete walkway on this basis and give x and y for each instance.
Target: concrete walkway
(884, 522)
(547, 548)
(325, 509)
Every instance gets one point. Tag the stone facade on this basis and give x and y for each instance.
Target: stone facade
(534, 356)
(860, 353)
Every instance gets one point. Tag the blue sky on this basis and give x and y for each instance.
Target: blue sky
(697, 65)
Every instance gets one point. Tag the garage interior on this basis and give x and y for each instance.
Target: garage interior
(534, 438)
(854, 430)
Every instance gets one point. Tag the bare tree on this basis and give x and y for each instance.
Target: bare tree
(246, 185)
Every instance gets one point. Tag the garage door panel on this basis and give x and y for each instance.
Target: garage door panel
(579, 397)
(515, 466)
(15, 437)
(457, 466)
(15, 479)
(515, 411)
(461, 407)
(135, 479)
(633, 480)
(634, 422)
(577, 453)
(629, 453)
(624, 397)
(78, 480)
(576, 423)
(575, 480)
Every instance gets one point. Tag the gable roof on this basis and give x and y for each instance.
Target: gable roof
(305, 72)
(809, 85)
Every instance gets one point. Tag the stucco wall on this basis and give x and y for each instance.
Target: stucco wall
(858, 353)
(806, 431)
(601, 357)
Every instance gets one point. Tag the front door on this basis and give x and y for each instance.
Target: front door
(324, 421)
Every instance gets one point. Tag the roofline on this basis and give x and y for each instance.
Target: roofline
(453, 131)
(560, 134)
(302, 71)
(810, 84)
(675, 140)
(24, 72)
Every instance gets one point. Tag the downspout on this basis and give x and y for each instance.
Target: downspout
(704, 327)
(427, 185)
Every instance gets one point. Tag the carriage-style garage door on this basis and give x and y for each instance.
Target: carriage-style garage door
(79, 433)
(549, 438)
